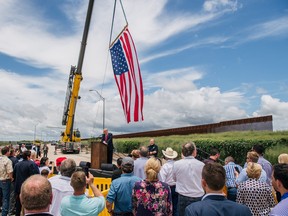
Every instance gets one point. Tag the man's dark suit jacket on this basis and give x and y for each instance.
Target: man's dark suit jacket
(22, 171)
(110, 146)
(109, 141)
(217, 205)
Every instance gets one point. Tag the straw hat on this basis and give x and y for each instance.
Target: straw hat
(169, 153)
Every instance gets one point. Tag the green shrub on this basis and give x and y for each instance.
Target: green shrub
(235, 144)
(126, 146)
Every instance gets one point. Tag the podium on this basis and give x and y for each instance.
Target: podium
(98, 154)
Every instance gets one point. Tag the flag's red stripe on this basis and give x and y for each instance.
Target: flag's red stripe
(129, 54)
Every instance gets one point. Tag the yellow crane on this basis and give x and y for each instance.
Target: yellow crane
(70, 138)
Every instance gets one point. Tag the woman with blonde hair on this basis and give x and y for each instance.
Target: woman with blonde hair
(255, 194)
(151, 196)
(283, 158)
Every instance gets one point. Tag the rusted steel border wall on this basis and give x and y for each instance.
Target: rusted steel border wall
(256, 123)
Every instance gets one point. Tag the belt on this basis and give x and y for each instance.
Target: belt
(122, 214)
(5, 180)
(193, 198)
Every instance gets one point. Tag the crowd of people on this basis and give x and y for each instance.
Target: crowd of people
(145, 184)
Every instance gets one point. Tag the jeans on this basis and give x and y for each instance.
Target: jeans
(184, 201)
(232, 194)
(12, 205)
(5, 186)
(18, 205)
(174, 195)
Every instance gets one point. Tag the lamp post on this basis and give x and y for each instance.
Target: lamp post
(35, 131)
(103, 99)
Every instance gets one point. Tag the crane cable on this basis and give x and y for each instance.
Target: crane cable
(110, 38)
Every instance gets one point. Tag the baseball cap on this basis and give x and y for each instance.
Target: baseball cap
(59, 160)
(127, 161)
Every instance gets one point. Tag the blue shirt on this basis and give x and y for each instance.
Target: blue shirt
(120, 192)
(266, 165)
(81, 205)
(243, 176)
(230, 176)
(139, 165)
(281, 207)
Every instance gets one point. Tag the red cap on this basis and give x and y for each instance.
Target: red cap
(59, 160)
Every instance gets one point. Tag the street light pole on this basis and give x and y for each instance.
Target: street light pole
(35, 131)
(103, 99)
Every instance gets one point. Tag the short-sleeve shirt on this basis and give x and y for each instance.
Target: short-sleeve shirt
(5, 167)
(121, 191)
(82, 205)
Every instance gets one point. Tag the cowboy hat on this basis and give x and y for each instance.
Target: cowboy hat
(169, 153)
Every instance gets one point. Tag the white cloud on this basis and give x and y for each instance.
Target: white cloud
(215, 5)
(275, 107)
(204, 42)
(30, 101)
(270, 28)
(174, 80)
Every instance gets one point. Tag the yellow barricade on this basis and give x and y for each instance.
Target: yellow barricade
(101, 183)
(105, 211)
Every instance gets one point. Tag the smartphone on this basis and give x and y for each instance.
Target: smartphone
(86, 170)
(237, 169)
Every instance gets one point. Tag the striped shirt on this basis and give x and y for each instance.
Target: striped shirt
(230, 176)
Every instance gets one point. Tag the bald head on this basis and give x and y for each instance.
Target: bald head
(189, 149)
(36, 194)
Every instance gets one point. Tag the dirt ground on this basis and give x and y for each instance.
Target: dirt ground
(82, 156)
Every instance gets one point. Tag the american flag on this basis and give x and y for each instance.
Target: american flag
(127, 76)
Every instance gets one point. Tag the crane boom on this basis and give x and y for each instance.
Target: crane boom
(74, 81)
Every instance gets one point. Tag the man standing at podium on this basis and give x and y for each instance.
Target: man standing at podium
(107, 138)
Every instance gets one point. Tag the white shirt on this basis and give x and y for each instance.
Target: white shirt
(23, 149)
(60, 188)
(187, 173)
(211, 194)
(166, 173)
(44, 167)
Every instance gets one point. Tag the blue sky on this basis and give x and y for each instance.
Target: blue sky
(201, 62)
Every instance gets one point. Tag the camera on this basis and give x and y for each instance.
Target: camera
(237, 169)
(86, 170)
(85, 167)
